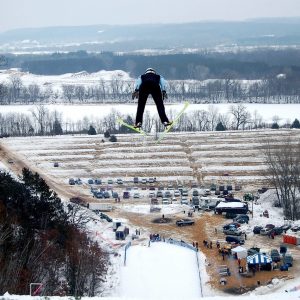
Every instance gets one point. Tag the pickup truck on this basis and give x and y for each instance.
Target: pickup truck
(185, 222)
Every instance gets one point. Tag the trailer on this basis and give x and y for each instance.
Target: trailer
(95, 206)
(232, 207)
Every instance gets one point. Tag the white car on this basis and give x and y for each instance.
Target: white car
(184, 201)
(177, 193)
(136, 195)
(151, 195)
(144, 180)
(165, 201)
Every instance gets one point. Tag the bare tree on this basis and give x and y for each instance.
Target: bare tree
(240, 115)
(284, 174)
(68, 91)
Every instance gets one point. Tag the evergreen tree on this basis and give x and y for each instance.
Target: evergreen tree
(275, 126)
(106, 134)
(57, 130)
(92, 130)
(296, 124)
(220, 127)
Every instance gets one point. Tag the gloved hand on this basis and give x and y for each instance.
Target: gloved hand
(164, 95)
(135, 94)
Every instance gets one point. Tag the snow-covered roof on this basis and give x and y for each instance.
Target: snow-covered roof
(230, 205)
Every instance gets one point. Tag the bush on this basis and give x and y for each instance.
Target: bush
(92, 130)
(296, 124)
(113, 139)
(106, 134)
(275, 126)
(220, 127)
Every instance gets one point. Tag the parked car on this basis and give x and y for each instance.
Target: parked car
(110, 181)
(275, 255)
(285, 227)
(115, 195)
(152, 188)
(119, 181)
(270, 226)
(185, 222)
(144, 180)
(99, 195)
(151, 195)
(257, 229)
(98, 181)
(165, 201)
(195, 193)
(170, 187)
(232, 231)
(235, 239)
(230, 215)
(126, 195)
(184, 192)
(207, 192)
(177, 193)
(184, 201)
(230, 225)
(71, 181)
(242, 216)
(288, 260)
(167, 194)
(90, 181)
(56, 165)
(136, 195)
(295, 228)
(151, 180)
(159, 194)
(265, 231)
(277, 230)
(241, 220)
(78, 181)
(135, 180)
(106, 194)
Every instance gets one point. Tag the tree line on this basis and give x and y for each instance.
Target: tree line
(42, 121)
(43, 240)
(282, 89)
(256, 63)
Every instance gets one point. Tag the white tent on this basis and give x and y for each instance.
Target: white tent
(240, 252)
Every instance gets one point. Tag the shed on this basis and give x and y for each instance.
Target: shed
(240, 252)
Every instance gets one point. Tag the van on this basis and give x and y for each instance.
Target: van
(235, 239)
(135, 180)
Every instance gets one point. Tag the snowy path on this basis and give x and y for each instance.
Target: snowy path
(162, 271)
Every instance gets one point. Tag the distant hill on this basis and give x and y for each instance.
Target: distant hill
(256, 32)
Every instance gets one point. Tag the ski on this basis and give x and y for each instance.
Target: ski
(139, 130)
(168, 128)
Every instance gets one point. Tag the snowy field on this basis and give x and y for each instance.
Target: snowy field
(227, 158)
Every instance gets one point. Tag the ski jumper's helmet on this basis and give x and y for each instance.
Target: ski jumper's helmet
(150, 70)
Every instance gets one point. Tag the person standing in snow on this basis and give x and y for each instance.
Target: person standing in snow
(152, 84)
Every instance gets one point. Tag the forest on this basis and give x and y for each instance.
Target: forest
(43, 240)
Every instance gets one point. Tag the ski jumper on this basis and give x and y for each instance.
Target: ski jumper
(150, 84)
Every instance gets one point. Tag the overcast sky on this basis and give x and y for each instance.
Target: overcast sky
(41, 13)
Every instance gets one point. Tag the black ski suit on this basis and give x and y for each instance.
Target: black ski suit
(150, 85)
